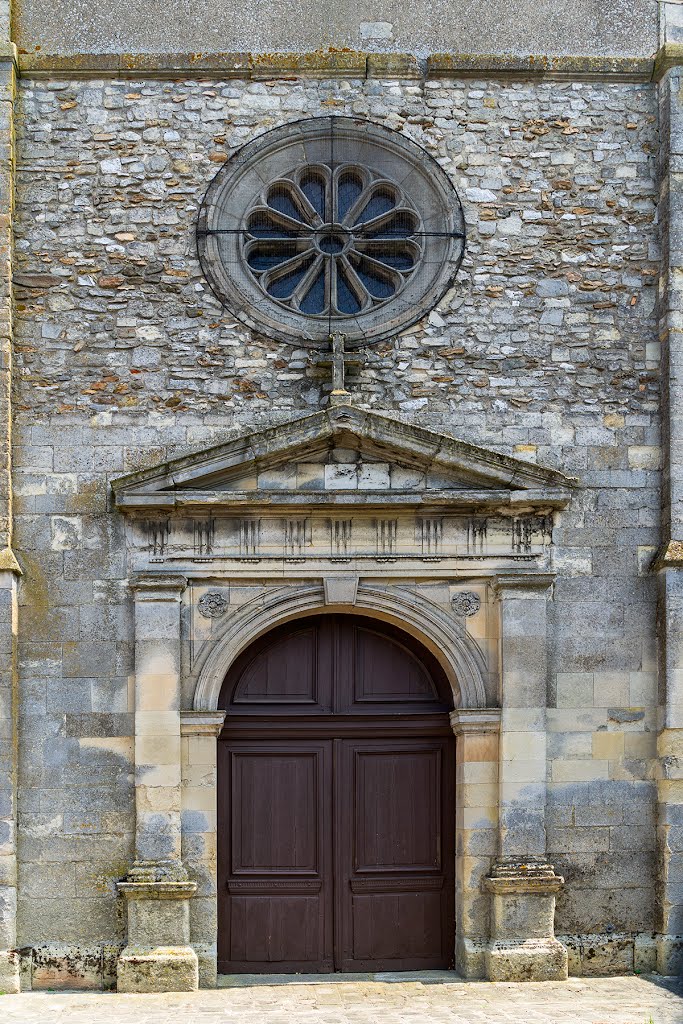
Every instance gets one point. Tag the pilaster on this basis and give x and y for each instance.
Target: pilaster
(670, 773)
(199, 732)
(522, 885)
(9, 711)
(157, 890)
(476, 831)
(670, 561)
(9, 961)
(523, 700)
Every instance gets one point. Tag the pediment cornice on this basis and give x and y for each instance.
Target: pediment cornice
(390, 463)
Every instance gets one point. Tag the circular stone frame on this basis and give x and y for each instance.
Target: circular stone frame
(235, 190)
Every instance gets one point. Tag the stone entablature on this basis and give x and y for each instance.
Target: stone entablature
(359, 538)
(342, 488)
(587, 28)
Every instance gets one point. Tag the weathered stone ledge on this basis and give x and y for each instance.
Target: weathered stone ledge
(345, 63)
(157, 890)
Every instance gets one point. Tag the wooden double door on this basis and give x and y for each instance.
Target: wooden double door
(336, 804)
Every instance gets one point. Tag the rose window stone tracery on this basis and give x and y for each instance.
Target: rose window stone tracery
(333, 242)
(331, 225)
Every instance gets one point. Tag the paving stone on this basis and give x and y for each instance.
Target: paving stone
(360, 999)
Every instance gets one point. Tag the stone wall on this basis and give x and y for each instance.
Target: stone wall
(583, 27)
(545, 348)
(552, 309)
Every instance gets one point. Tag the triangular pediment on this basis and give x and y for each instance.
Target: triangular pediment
(343, 456)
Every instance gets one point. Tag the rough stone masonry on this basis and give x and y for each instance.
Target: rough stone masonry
(557, 345)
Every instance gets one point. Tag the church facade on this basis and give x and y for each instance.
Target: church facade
(341, 507)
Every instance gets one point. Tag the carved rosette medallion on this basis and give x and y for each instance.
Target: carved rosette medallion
(466, 604)
(212, 605)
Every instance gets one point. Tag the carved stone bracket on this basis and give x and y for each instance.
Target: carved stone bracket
(522, 583)
(475, 720)
(157, 586)
(201, 723)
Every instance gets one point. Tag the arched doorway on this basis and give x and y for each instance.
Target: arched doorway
(336, 815)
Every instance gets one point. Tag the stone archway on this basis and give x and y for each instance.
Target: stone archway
(276, 541)
(441, 633)
(456, 651)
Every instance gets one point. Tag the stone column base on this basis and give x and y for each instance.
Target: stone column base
(523, 946)
(158, 969)
(158, 957)
(526, 960)
(9, 971)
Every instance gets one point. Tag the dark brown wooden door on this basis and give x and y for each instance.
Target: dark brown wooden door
(336, 803)
(397, 892)
(279, 885)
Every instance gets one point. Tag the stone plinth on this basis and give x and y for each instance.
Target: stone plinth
(158, 956)
(523, 946)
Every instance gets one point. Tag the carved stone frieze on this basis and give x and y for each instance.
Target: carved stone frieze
(431, 538)
(158, 532)
(386, 538)
(340, 539)
(250, 538)
(204, 533)
(295, 539)
(317, 540)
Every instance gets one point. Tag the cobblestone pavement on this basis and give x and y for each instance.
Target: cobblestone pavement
(425, 999)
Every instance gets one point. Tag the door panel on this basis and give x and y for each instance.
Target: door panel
(335, 663)
(396, 858)
(387, 673)
(284, 673)
(397, 809)
(398, 929)
(275, 933)
(275, 805)
(289, 671)
(275, 907)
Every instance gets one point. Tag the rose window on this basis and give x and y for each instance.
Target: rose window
(332, 242)
(330, 225)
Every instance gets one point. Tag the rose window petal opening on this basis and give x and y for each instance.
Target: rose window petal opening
(332, 242)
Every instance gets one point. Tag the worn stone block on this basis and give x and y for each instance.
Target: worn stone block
(527, 960)
(607, 954)
(9, 971)
(173, 969)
